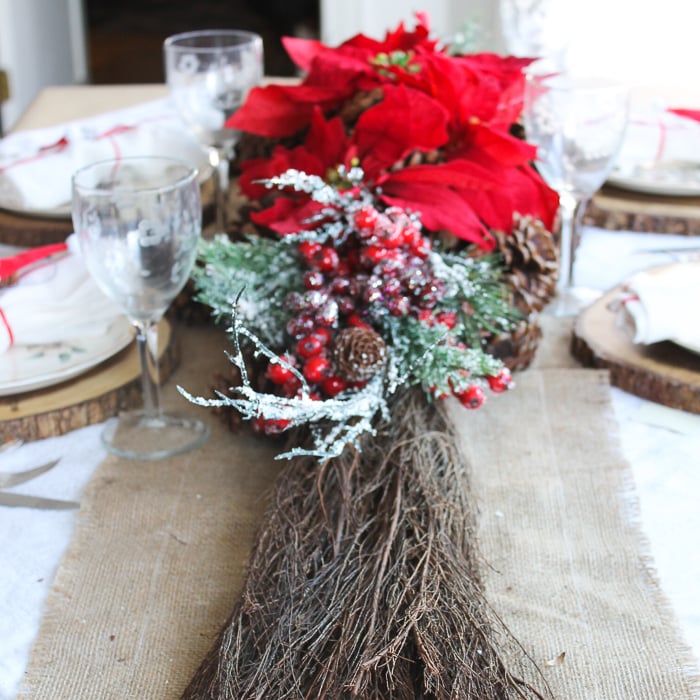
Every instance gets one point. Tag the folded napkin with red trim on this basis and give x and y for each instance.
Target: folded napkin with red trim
(55, 302)
(36, 165)
(663, 304)
(660, 136)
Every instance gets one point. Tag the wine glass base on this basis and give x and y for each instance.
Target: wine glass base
(136, 435)
(571, 301)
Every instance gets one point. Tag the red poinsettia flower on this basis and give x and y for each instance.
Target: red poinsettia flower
(459, 109)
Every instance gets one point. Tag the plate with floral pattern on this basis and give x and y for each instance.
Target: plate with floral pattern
(29, 367)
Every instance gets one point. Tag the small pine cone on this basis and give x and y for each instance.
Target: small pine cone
(358, 354)
(532, 263)
(517, 348)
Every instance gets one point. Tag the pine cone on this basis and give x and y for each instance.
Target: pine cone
(532, 263)
(517, 348)
(358, 354)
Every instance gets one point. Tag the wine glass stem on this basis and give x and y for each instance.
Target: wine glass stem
(571, 210)
(219, 161)
(147, 344)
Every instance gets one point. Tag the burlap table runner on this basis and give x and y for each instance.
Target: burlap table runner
(159, 551)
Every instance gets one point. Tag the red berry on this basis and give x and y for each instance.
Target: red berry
(332, 386)
(501, 381)
(316, 368)
(274, 426)
(472, 397)
(399, 306)
(291, 388)
(391, 236)
(301, 326)
(366, 218)
(447, 318)
(308, 249)
(426, 316)
(372, 254)
(409, 235)
(421, 247)
(278, 373)
(323, 334)
(313, 279)
(437, 394)
(326, 259)
(309, 346)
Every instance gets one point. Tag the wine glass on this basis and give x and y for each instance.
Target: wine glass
(209, 74)
(536, 28)
(577, 125)
(138, 222)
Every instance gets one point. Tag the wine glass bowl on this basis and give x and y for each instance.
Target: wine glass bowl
(577, 125)
(138, 223)
(209, 75)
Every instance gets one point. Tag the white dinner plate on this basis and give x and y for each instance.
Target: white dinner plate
(29, 367)
(686, 345)
(674, 178)
(64, 211)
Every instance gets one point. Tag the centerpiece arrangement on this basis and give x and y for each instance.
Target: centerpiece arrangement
(396, 247)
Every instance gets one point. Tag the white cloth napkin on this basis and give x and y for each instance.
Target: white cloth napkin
(55, 302)
(656, 136)
(36, 165)
(663, 304)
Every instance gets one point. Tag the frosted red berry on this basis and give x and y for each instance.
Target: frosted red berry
(332, 386)
(323, 334)
(366, 218)
(309, 346)
(446, 318)
(278, 373)
(316, 369)
(313, 279)
(326, 259)
(471, 397)
(308, 249)
(500, 382)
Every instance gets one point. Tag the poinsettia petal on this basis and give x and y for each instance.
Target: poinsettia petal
(462, 174)
(287, 215)
(302, 51)
(440, 209)
(523, 192)
(489, 145)
(326, 140)
(404, 121)
(277, 111)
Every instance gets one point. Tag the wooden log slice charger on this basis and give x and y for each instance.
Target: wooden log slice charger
(662, 372)
(617, 209)
(92, 397)
(31, 231)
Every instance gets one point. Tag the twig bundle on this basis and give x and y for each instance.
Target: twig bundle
(364, 582)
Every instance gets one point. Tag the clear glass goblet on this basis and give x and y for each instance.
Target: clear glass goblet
(209, 75)
(577, 125)
(138, 222)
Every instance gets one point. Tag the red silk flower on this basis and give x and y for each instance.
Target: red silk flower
(457, 107)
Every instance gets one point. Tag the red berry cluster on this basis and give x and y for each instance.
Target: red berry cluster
(381, 266)
(473, 396)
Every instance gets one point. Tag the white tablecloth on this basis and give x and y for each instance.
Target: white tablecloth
(662, 445)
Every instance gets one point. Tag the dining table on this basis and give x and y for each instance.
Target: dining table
(586, 494)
